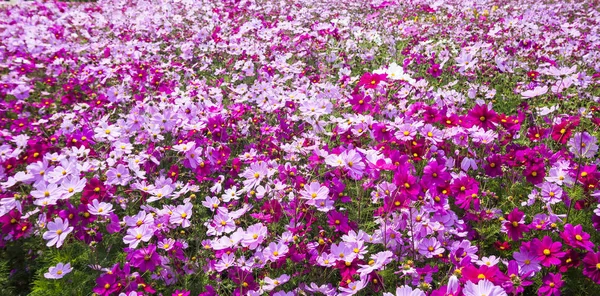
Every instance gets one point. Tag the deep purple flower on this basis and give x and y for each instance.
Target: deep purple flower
(360, 102)
(146, 259)
(338, 221)
(591, 266)
(514, 226)
(551, 285)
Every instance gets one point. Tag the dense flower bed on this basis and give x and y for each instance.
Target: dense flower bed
(300, 148)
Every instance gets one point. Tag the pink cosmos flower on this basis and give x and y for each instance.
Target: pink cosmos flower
(353, 287)
(370, 81)
(591, 266)
(406, 291)
(58, 271)
(538, 91)
(275, 251)
(430, 247)
(254, 236)
(138, 234)
(57, 232)
(181, 215)
(314, 192)
(483, 288)
(100, 208)
(353, 164)
(141, 218)
(514, 226)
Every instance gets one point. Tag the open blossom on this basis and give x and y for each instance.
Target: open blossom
(254, 236)
(182, 215)
(275, 251)
(406, 291)
(514, 225)
(58, 271)
(575, 237)
(483, 288)
(591, 266)
(548, 252)
(57, 232)
(380, 259)
(430, 247)
(100, 208)
(538, 91)
(314, 193)
(583, 145)
(138, 234)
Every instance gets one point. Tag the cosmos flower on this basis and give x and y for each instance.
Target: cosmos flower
(370, 81)
(537, 91)
(575, 237)
(100, 208)
(548, 252)
(583, 145)
(514, 225)
(591, 266)
(58, 271)
(406, 291)
(483, 288)
(551, 285)
(57, 232)
(430, 247)
(182, 215)
(138, 234)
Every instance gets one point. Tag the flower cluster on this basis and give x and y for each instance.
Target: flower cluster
(302, 147)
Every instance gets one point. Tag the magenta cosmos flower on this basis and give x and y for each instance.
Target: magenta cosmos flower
(338, 221)
(548, 252)
(551, 285)
(370, 81)
(575, 237)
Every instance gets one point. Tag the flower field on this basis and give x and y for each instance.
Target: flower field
(240, 147)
